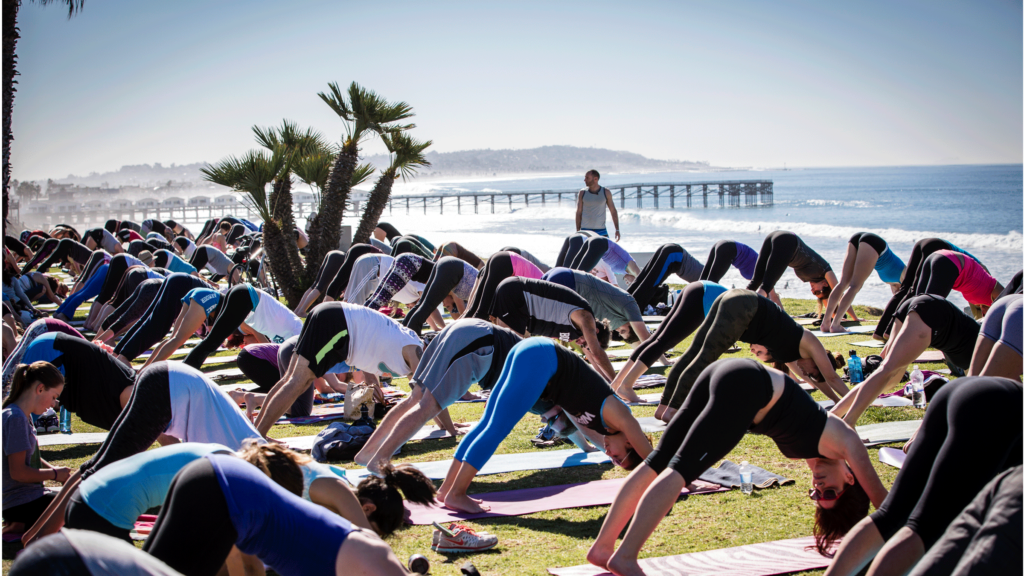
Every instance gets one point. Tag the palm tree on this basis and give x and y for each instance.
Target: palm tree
(314, 169)
(11, 36)
(408, 156)
(364, 113)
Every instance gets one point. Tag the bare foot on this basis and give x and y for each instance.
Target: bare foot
(364, 459)
(464, 503)
(838, 328)
(621, 566)
(628, 394)
(598, 555)
(250, 406)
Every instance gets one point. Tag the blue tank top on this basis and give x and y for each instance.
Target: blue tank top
(889, 266)
(712, 291)
(205, 297)
(41, 349)
(561, 275)
(175, 264)
(746, 259)
(289, 534)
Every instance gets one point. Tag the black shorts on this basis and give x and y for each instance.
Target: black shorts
(873, 240)
(324, 338)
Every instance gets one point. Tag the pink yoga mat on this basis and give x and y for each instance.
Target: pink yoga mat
(765, 559)
(530, 500)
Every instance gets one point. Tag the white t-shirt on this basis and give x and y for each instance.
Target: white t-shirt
(273, 319)
(375, 341)
(203, 412)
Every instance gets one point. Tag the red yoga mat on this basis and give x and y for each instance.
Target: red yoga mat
(765, 559)
(530, 500)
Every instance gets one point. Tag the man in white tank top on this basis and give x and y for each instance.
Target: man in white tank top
(590, 205)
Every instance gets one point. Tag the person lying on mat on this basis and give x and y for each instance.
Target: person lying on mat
(921, 251)
(450, 284)
(921, 322)
(742, 315)
(42, 288)
(668, 259)
(454, 249)
(170, 403)
(781, 249)
(159, 317)
(687, 314)
(541, 308)
(970, 434)
(865, 252)
(998, 351)
(499, 266)
(337, 332)
(468, 351)
(538, 369)
(290, 535)
(328, 270)
(728, 399)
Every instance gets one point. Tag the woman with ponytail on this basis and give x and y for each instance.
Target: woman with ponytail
(34, 389)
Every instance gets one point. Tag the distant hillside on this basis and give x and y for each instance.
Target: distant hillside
(544, 159)
(139, 175)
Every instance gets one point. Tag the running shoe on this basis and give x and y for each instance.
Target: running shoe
(458, 538)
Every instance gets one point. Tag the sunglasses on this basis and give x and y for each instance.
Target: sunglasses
(827, 495)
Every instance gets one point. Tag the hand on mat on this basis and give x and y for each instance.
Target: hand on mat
(906, 447)
(462, 428)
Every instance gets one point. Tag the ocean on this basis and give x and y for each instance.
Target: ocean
(979, 208)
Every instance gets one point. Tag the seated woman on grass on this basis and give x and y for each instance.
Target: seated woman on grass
(730, 398)
(865, 252)
(538, 369)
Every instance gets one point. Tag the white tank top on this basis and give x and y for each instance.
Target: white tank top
(273, 319)
(375, 341)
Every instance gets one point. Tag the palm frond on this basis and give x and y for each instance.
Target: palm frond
(361, 174)
(249, 175)
(336, 100)
(408, 155)
(73, 5)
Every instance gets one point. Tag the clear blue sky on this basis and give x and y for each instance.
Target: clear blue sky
(733, 83)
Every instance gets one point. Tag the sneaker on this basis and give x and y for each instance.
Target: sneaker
(458, 538)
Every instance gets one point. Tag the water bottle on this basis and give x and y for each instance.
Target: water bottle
(917, 387)
(853, 363)
(65, 421)
(746, 478)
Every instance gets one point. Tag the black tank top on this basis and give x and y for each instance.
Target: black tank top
(775, 330)
(795, 422)
(578, 389)
(808, 265)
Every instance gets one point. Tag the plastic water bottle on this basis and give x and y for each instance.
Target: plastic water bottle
(856, 368)
(917, 387)
(746, 478)
(65, 421)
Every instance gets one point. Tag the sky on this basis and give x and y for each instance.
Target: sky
(740, 84)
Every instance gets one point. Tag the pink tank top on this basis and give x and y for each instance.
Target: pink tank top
(524, 268)
(973, 282)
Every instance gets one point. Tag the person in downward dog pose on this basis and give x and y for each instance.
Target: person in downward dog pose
(998, 352)
(533, 259)
(782, 249)
(541, 308)
(159, 318)
(741, 315)
(98, 238)
(454, 249)
(500, 265)
(338, 332)
(450, 283)
(467, 352)
(337, 284)
(946, 270)
(667, 259)
(929, 491)
(730, 398)
(687, 314)
(864, 253)
(328, 270)
(538, 369)
(34, 330)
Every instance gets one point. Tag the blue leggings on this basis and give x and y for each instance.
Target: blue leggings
(91, 289)
(529, 367)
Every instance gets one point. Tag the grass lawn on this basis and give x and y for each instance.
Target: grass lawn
(530, 544)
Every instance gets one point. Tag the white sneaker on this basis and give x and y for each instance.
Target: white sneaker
(458, 538)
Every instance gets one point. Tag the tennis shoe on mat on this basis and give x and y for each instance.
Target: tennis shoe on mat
(458, 538)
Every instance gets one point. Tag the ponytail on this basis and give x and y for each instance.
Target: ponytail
(280, 463)
(25, 375)
(384, 494)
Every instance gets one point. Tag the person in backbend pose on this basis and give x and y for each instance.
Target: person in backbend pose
(730, 398)
(742, 315)
(538, 369)
(782, 249)
(590, 205)
(864, 253)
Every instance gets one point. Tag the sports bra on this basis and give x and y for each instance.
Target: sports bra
(796, 422)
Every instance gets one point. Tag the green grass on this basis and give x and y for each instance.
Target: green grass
(530, 544)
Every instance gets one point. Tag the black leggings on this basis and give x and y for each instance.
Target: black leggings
(654, 273)
(236, 232)
(717, 413)
(111, 226)
(921, 251)
(590, 254)
(303, 405)
(129, 225)
(937, 276)
(136, 247)
(411, 245)
(200, 258)
(874, 240)
(195, 510)
(142, 421)
(570, 246)
(17, 247)
(29, 512)
(340, 280)
(81, 516)
(92, 265)
(445, 276)
(118, 267)
(159, 317)
(970, 433)
(686, 316)
(776, 253)
(66, 250)
(721, 257)
(328, 270)
(126, 287)
(47, 248)
(134, 306)
(498, 268)
(50, 556)
(230, 312)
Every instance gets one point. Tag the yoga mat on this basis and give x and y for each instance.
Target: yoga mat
(651, 424)
(647, 399)
(247, 386)
(886, 402)
(869, 344)
(425, 433)
(619, 353)
(501, 463)
(655, 319)
(649, 381)
(888, 432)
(850, 330)
(531, 500)
(225, 374)
(892, 456)
(930, 356)
(71, 439)
(765, 559)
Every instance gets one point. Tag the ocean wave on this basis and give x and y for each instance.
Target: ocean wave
(819, 202)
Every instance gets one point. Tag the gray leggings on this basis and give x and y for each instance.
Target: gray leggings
(134, 307)
(445, 276)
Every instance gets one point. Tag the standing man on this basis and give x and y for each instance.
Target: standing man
(590, 206)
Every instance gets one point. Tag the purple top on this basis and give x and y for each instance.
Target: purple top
(617, 258)
(746, 259)
(58, 326)
(266, 352)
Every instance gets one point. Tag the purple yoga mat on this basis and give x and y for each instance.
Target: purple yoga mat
(765, 559)
(530, 500)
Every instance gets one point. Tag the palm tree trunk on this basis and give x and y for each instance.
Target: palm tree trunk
(10, 26)
(281, 205)
(376, 202)
(279, 237)
(326, 233)
(274, 244)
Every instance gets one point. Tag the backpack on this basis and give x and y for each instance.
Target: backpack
(342, 440)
